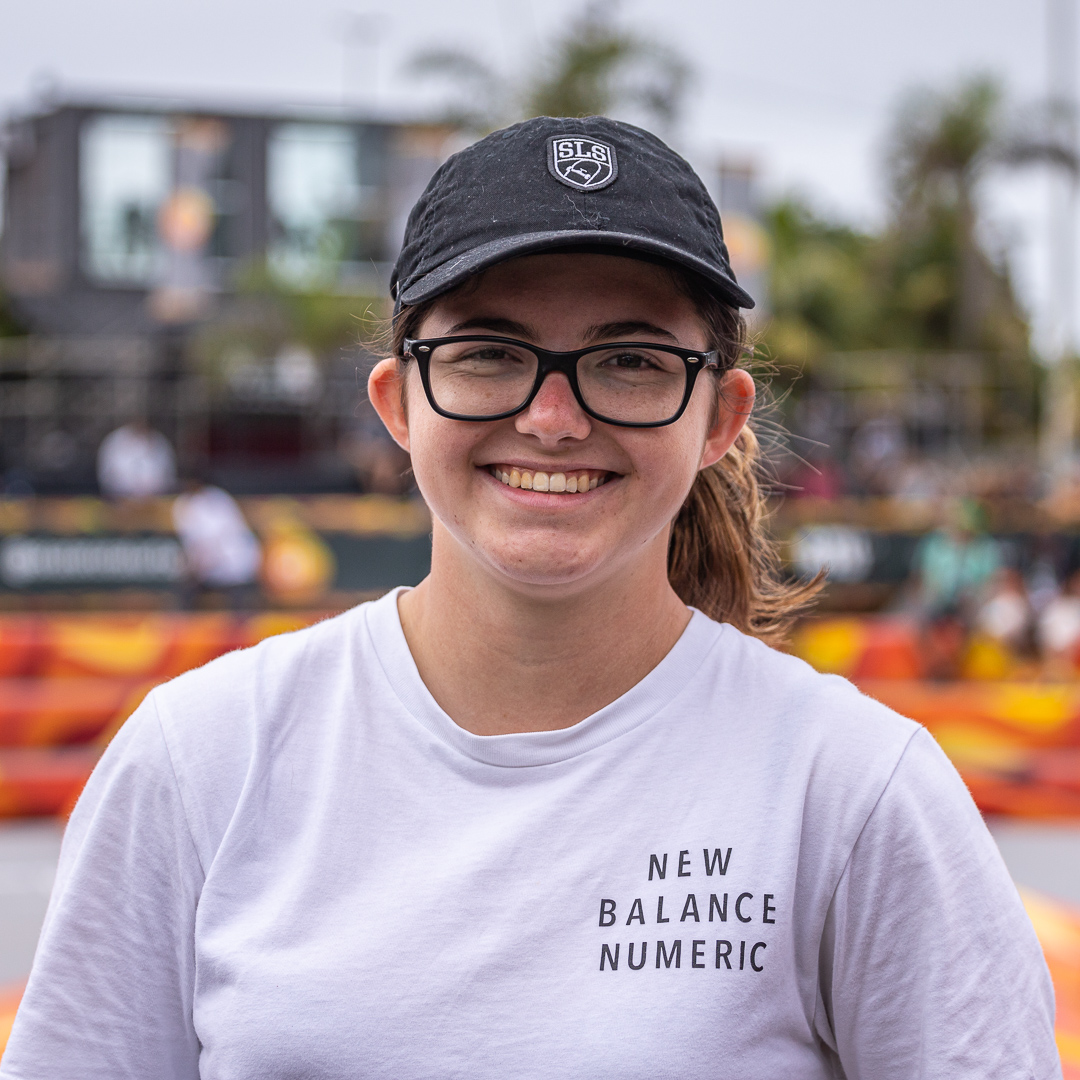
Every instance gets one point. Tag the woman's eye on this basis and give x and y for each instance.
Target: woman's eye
(629, 360)
(487, 354)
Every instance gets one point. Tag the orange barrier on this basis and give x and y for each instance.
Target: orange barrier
(1058, 927)
(67, 683)
(9, 1004)
(153, 645)
(1017, 745)
(1015, 742)
(861, 647)
(894, 647)
(36, 782)
(60, 712)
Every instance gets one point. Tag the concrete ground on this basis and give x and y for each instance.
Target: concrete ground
(1042, 857)
(28, 854)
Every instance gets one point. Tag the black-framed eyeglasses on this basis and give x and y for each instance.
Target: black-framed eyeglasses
(626, 383)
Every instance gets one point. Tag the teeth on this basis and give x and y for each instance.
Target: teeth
(542, 481)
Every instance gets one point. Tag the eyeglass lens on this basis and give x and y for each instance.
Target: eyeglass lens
(635, 384)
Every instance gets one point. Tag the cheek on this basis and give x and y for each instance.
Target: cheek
(669, 460)
(668, 477)
(441, 452)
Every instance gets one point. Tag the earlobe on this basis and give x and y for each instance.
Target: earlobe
(735, 404)
(386, 393)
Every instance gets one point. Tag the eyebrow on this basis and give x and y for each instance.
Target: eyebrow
(508, 327)
(611, 331)
(616, 330)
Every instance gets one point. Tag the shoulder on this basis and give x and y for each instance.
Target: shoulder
(227, 724)
(811, 740)
(257, 682)
(794, 701)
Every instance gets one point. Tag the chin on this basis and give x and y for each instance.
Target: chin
(549, 567)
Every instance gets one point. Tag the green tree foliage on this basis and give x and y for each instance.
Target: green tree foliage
(593, 67)
(926, 281)
(942, 146)
(267, 315)
(822, 285)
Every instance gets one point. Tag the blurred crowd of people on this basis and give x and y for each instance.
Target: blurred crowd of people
(835, 450)
(981, 612)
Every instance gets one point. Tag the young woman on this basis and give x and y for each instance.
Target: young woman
(537, 816)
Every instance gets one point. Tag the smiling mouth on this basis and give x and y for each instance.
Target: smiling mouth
(560, 482)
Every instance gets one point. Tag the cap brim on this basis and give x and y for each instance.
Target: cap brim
(453, 273)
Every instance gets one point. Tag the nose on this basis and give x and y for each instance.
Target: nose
(554, 414)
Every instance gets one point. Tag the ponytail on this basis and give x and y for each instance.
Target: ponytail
(721, 558)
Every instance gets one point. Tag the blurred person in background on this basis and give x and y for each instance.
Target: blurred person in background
(952, 570)
(221, 552)
(954, 565)
(1005, 616)
(1046, 571)
(561, 810)
(1058, 629)
(136, 462)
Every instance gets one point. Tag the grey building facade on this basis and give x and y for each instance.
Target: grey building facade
(131, 225)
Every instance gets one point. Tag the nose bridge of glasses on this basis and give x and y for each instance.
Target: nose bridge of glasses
(565, 390)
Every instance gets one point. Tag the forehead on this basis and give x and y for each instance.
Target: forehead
(578, 286)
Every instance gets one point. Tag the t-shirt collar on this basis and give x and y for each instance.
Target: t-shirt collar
(660, 687)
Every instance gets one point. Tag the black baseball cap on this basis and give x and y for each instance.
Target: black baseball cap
(554, 183)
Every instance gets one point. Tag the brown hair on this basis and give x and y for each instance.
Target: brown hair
(721, 558)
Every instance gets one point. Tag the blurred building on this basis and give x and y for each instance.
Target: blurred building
(132, 228)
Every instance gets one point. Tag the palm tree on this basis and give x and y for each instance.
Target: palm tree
(594, 67)
(942, 146)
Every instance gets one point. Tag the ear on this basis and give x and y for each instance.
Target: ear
(734, 405)
(386, 392)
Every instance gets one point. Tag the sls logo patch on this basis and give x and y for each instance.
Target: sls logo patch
(582, 163)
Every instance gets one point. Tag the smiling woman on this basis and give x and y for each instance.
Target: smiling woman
(456, 831)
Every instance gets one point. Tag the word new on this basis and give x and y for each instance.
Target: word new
(717, 862)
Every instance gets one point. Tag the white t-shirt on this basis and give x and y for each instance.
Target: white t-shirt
(291, 863)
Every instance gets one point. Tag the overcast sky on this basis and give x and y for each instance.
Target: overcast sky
(804, 88)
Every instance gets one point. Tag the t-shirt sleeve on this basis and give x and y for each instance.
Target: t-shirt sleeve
(931, 967)
(110, 994)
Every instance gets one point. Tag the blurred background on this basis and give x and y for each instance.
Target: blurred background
(200, 208)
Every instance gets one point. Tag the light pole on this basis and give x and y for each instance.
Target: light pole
(1059, 405)
(361, 41)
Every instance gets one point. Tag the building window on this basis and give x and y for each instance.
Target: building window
(126, 175)
(320, 213)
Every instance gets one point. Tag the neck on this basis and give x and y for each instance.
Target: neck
(499, 660)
